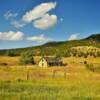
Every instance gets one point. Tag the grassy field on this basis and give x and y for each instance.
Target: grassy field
(33, 83)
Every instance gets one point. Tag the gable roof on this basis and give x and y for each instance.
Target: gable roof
(52, 59)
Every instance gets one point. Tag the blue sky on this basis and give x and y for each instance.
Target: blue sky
(26, 23)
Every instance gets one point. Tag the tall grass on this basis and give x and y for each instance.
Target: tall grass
(28, 90)
(79, 84)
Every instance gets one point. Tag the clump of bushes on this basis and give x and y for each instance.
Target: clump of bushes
(89, 66)
(10, 53)
(93, 68)
(26, 58)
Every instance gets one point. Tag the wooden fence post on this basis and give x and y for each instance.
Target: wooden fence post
(53, 73)
(65, 74)
(28, 76)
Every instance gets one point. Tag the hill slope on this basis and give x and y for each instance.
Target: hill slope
(52, 48)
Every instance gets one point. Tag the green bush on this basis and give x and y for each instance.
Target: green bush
(93, 68)
(26, 58)
(10, 53)
(89, 66)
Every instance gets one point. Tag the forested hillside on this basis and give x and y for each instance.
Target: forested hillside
(63, 48)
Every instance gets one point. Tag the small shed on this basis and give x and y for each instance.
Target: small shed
(50, 61)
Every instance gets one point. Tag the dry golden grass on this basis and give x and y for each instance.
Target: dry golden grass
(9, 60)
(74, 68)
(34, 83)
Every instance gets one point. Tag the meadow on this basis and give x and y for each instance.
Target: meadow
(34, 83)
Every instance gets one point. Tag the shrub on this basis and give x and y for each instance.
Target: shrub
(89, 66)
(26, 58)
(85, 62)
(94, 68)
(85, 55)
(10, 53)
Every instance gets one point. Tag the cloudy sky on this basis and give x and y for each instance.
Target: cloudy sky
(26, 23)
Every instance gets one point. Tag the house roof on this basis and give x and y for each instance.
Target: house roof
(52, 59)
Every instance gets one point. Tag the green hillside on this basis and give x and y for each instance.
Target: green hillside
(54, 48)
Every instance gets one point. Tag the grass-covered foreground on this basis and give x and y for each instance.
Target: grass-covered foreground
(79, 83)
(50, 90)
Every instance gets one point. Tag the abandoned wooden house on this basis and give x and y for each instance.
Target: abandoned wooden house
(49, 61)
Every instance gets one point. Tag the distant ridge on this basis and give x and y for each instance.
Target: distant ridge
(95, 37)
(53, 47)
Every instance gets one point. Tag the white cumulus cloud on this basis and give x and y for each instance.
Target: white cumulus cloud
(45, 22)
(39, 16)
(74, 36)
(39, 38)
(38, 11)
(11, 35)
